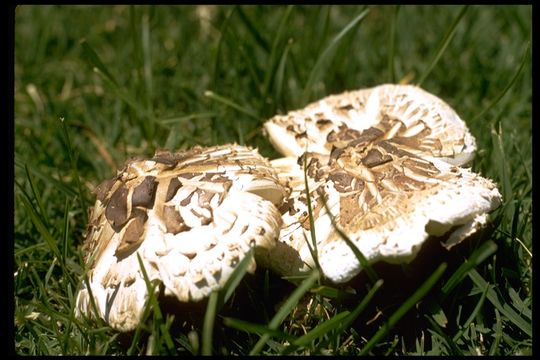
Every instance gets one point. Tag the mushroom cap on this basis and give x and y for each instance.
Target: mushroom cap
(191, 216)
(385, 161)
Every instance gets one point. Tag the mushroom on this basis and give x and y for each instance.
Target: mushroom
(387, 162)
(191, 216)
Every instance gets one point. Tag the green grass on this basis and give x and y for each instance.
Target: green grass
(95, 85)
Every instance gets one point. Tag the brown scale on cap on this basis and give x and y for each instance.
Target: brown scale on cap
(117, 211)
(174, 223)
(172, 187)
(102, 190)
(323, 123)
(145, 193)
(133, 234)
(375, 157)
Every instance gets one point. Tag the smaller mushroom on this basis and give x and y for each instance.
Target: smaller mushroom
(386, 161)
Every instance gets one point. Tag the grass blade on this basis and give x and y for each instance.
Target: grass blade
(404, 308)
(92, 300)
(474, 313)
(65, 232)
(364, 263)
(246, 51)
(93, 59)
(526, 166)
(360, 307)
(152, 301)
(444, 43)
(134, 19)
(392, 50)
(30, 249)
(291, 302)
(223, 29)
(235, 278)
(326, 55)
(286, 308)
(320, 24)
(230, 103)
(477, 257)
(179, 119)
(313, 246)
(333, 293)
(339, 322)
(499, 157)
(519, 304)
(280, 73)
(73, 162)
(509, 86)
(37, 197)
(99, 68)
(157, 323)
(272, 63)
(208, 325)
(129, 99)
(498, 334)
(41, 228)
(317, 332)
(253, 31)
(255, 328)
(219, 298)
(147, 66)
(443, 337)
(57, 184)
(507, 311)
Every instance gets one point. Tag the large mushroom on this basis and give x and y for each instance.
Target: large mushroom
(387, 161)
(191, 216)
